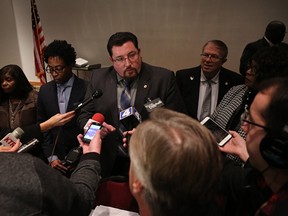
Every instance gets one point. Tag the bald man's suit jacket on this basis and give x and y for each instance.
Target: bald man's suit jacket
(188, 81)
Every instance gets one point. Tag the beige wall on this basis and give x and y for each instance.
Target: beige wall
(9, 47)
(171, 33)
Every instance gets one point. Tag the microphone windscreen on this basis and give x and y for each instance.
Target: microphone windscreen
(18, 132)
(98, 117)
(98, 93)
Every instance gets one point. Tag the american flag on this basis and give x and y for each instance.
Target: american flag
(39, 43)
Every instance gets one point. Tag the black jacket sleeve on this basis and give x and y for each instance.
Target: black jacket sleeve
(74, 196)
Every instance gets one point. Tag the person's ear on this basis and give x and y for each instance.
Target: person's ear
(137, 187)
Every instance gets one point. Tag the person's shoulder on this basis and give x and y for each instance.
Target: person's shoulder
(102, 73)
(33, 93)
(258, 43)
(47, 86)
(103, 70)
(81, 81)
(284, 45)
(235, 90)
(230, 72)
(14, 158)
(189, 71)
(148, 67)
(232, 75)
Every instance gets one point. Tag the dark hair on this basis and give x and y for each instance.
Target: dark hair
(22, 85)
(223, 47)
(62, 49)
(275, 31)
(119, 39)
(271, 62)
(276, 113)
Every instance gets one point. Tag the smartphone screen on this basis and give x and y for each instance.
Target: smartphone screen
(222, 136)
(90, 133)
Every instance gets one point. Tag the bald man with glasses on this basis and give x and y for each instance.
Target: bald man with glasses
(204, 86)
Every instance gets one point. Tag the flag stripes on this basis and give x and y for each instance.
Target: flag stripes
(39, 43)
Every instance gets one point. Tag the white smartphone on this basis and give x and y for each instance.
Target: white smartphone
(222, 136)
(91, 131)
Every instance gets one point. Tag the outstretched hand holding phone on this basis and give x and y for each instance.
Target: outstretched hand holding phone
(222, 136)
(94, 145)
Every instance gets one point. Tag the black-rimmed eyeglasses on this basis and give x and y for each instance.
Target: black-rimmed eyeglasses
(212, 57)
(132, 56)
(244, 117)
(57, 69)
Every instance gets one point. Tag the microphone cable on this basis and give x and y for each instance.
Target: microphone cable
(54, 145)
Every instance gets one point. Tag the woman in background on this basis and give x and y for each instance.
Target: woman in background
(18, 107)
(18, 99)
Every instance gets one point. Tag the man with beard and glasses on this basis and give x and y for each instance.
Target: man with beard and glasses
(138, 81)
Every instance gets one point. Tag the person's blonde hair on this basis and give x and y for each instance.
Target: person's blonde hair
(177, 161)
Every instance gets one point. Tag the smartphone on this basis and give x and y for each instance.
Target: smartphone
(91, 131)
(26, 147)
(222, 136)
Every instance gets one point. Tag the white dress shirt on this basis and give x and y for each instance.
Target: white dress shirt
(214, 93)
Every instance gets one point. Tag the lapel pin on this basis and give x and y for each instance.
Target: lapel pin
(191, 78)
(145, 86)
(226, 83)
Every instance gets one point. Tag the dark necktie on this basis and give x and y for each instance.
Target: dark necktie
(206, 106)
(125, 99)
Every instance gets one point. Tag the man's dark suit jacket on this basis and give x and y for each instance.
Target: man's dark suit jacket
(47, 106)
(188, 81)
(154, 82)
(249, 50)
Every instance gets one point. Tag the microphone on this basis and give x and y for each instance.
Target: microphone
(130, 118)
(98, 93)
(150, 105)
(73, 157)
(11, 138)
(97, 117)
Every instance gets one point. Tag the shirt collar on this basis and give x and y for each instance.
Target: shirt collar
(268, 41)
(69, 83)
(214, 80)
(119, 80)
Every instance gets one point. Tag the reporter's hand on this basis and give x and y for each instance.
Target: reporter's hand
(57, 165)
(106, 129)
(127, 135)
(61, 119)
(93, 146)
(236, 146)
(57, 120)
(9, 148)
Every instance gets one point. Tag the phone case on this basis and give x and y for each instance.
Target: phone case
(222, 136)
(90, 133)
